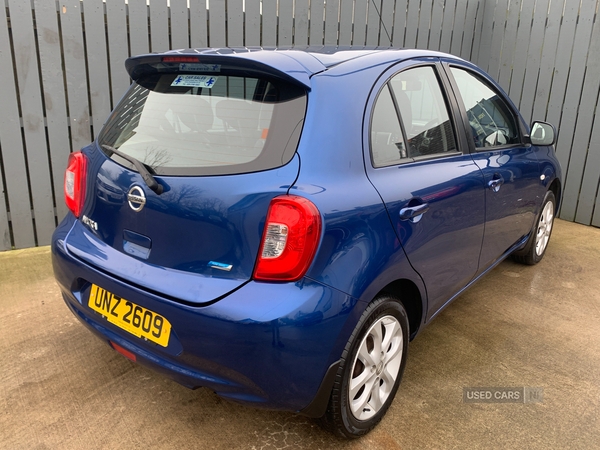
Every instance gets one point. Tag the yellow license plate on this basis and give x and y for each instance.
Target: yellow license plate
(132, 318)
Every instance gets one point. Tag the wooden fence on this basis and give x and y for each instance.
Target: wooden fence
(62, 73)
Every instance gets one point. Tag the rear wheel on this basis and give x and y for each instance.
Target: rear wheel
(370, 371)
(538, 240)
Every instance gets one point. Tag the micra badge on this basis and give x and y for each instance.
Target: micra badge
(90, 223)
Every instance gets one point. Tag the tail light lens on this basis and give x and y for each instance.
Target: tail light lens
(290, 239)
(75, 182)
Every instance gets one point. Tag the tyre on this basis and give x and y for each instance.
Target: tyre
(371, 368)
(538, 240)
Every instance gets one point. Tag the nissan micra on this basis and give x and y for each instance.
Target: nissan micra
(277, 225)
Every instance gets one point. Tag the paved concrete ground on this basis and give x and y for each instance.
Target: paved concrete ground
(60, 387)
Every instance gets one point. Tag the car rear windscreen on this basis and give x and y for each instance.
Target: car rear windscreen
(195, 124)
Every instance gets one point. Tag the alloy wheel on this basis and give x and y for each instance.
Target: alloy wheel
(544, 228)
(375, 368)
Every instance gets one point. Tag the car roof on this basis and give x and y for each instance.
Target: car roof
(296, 63)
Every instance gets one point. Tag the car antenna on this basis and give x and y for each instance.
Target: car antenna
(381, 21)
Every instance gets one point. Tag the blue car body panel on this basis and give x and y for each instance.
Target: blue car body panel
(274, 344)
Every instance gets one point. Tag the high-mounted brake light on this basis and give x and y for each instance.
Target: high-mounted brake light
(75, 178)
(179, 59)
(290, 239)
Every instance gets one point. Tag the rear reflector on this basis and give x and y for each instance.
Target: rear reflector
(122, 351)
(290, 239)
(75, 177)
(179, 59)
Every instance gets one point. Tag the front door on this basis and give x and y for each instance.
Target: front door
(511, 170)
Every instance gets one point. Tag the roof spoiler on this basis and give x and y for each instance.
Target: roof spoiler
(257, 63)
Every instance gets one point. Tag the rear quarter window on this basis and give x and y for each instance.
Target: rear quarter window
(182, 124)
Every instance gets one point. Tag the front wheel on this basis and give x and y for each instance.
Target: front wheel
(371, 367)
(538, 240)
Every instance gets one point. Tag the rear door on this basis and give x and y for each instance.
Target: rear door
(511, 170)
(222, 146)
(427, 179)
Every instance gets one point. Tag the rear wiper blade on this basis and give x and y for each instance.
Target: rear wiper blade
(141, 168)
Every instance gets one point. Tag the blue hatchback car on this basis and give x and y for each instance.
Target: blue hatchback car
(276, 225)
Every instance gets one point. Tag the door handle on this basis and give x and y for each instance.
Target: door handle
(496, 182)
(414, 212)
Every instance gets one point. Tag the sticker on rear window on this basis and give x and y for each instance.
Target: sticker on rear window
(196, 67)
(203, 81)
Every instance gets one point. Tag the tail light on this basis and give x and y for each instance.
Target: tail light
(290, 239)
(75, 182)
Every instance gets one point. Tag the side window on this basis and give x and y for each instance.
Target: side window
(416, 97)
(387, 141)
(492, 122)
(424, 112)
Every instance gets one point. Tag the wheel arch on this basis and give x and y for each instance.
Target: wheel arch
(407, 292)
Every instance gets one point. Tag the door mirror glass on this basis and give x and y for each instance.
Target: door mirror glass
(543, 134)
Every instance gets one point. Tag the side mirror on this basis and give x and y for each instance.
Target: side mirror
(542, 134)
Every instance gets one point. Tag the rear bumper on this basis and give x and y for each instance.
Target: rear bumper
(265, 344)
